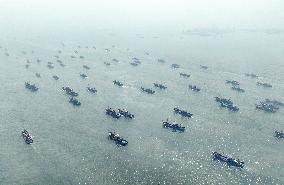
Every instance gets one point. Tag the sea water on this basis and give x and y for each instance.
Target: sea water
(70, 143)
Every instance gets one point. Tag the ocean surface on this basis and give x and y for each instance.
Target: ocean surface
(70, 143)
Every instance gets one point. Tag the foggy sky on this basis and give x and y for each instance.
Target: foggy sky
(141, 14)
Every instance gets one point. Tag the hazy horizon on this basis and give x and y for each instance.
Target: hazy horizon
(39, 15)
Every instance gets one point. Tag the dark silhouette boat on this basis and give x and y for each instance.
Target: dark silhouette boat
(119, 113)
(31, 87)
(55, 77)
(233, 82)
(161, 60)
(183, 113)
(228, 160)
(70, 91)
(279, 134)
(194, 88)
(175, 66)
(28, 138)
(133, 64)
(161, 86)
(37, 75)
(118, 83)
(92, 89)
(83, 75)
(238, 89)
(184, 75)
(174, 126)
(86, 67)
(269, 105)
(117, 139)
(113, 113)
(227, 103)
(125, 113)
(149, 91)
(251, 75)
(115, 60)
(267, 85)
(50, 65)
(74, 101)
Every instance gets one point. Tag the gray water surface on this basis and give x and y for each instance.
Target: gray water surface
(70, 143)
